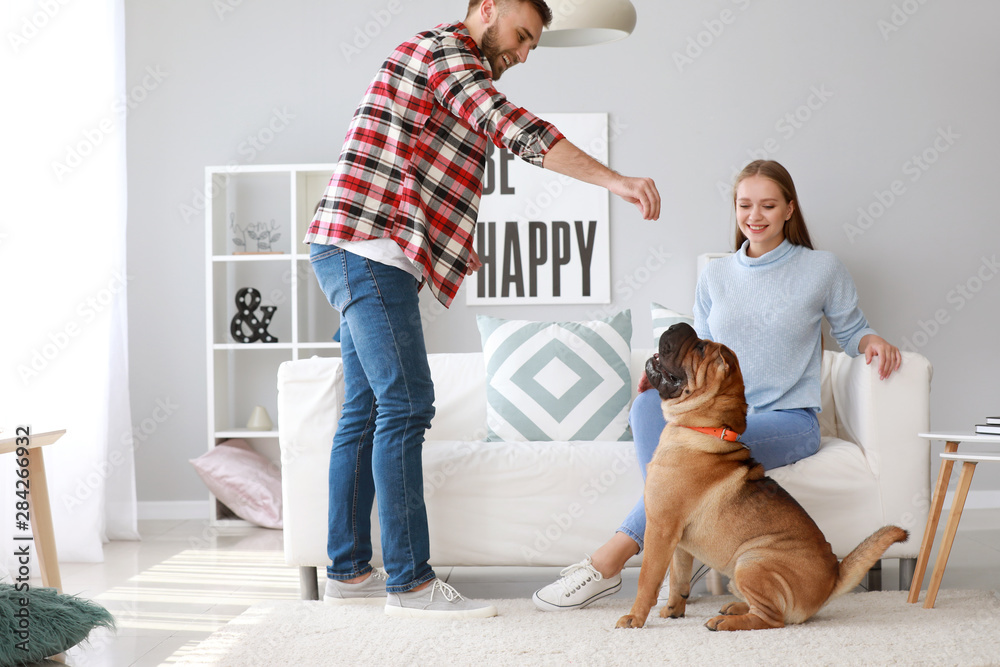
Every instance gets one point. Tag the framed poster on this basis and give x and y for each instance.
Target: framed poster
(543, 237)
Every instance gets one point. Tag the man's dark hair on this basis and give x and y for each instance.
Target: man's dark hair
(539, 5)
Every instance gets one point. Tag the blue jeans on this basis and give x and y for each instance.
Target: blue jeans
(775, 439)
(388, 404)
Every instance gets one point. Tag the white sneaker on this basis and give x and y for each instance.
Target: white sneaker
(368, 591)
(439, 600)
(577, 586)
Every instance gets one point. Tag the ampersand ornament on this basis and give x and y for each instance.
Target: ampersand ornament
(245, 327)
(265, 322)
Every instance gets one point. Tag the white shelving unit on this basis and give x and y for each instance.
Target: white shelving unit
(279, 200)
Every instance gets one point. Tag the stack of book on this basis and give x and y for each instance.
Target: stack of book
(991, 427)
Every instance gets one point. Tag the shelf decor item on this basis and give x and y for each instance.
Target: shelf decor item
(259, 420)
(245, 327)
(261, 237)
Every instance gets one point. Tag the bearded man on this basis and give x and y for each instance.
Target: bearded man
(400, 213)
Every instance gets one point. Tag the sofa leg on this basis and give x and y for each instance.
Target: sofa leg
(308, 585)
(874, 577)
(907, 567)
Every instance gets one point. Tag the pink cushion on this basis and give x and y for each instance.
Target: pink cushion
(243, 480)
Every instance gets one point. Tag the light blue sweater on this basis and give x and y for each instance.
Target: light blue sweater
(769, 309)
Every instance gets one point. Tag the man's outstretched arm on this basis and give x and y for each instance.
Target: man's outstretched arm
(565, 158)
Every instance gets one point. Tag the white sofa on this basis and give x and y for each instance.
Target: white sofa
(550, 503)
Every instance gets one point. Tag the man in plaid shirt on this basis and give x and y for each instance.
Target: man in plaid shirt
(400, 212)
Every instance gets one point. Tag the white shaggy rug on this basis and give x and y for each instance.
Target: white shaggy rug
(857, 629)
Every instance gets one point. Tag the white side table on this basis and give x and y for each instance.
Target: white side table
(949, 457)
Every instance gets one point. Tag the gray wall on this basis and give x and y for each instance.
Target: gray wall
(887, 106)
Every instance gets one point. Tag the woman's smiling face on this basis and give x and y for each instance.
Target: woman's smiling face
(761, 212)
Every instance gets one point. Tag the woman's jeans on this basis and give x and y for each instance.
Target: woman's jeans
(388, 404)
(774, 439)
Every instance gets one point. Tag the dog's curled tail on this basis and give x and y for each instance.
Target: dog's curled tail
(857, 563)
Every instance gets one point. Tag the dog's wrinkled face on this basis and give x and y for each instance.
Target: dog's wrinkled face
(695, 375)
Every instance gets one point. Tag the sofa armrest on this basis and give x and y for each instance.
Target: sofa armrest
(884, 417)
(310, 394)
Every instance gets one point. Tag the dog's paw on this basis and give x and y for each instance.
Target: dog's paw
(714, 623)
(741, 622)
(629, 621)
(735, 609)
(673, 610)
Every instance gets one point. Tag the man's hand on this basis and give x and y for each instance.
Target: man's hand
(639, 191)
(473, 264)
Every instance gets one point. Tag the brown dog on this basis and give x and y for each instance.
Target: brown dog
(707, 499)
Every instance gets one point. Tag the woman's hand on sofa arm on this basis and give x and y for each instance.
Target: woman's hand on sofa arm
(889, 356)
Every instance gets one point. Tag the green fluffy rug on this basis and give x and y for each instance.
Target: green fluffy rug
(40, 622)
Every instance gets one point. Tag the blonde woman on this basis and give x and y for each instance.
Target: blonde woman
(765, 302)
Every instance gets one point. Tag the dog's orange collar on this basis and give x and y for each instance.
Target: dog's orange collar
(724, 433)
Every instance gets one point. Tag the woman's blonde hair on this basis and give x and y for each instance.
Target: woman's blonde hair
(795, 227)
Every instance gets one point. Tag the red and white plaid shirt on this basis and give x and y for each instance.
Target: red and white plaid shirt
(412, 165)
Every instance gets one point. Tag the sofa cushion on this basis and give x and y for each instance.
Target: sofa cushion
(522, 503)
(663, 319)
(839, 491)
(459, 397)
(557, 380)
(827, 414)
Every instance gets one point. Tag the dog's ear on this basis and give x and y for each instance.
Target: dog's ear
(722, 363)
(729, 361)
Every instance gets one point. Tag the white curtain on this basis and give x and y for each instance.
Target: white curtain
(63, 277)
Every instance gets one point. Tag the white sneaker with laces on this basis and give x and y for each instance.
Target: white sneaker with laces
(368, 591)
(439, 600)
(577, 586)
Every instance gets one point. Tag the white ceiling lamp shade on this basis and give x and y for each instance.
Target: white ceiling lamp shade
(588, 22)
